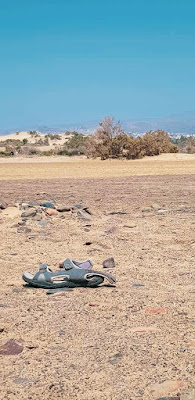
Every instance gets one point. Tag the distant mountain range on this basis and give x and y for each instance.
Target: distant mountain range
(184, 124)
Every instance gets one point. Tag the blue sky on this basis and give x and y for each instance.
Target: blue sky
(68, 61)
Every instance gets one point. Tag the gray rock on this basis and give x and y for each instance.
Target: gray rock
(37, 217)
(109, 263)
(111, 230)
(25, 206)
(3, 205)
(63, 209)
(83, 215)
(48, 204)
(115, 358)
(25, 381)
(43, 223)
(161, 211)
(11, 348)
(155, 206)
(31, 212)
(23, 229)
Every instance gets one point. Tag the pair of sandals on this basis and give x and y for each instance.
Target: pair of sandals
(72, 274)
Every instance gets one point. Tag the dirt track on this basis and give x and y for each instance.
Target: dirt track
(84, 345)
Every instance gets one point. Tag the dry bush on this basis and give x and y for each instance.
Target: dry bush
(111, 141)
(134, 148)
(186, 144)
(157, 142)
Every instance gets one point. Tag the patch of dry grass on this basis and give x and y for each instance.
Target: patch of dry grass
(53, 168)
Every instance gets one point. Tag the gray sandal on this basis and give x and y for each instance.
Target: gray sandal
(70, 276)
(69, 264)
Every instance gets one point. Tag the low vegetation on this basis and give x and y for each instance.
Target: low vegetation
(108, 141)
(185, 144)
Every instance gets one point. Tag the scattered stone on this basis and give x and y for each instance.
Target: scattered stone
(43, 223)
(48, 204)
(51, 386)
(111, 230)
(109, 263)
(31, 212)
(117, 213)
(3, 205)
(25, 206)
(61, 333)
(162, 211)
(32, 237)
(145, 329)
(115, 358)
(51, 211)
(156, 310)
(16, 290)
(11, 348)
(155, 206)
(130, 225)
(63, 209)
(77, 207)
(96, 304)
(160, 389)
(61, 264)
(138, 285)
(24, 381)
(23, 229)
(31, 346)
(37, 217)
(82, 214)
(87, 210)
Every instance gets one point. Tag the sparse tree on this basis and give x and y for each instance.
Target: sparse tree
(109, 136)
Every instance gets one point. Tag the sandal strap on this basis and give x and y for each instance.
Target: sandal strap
(105, 275)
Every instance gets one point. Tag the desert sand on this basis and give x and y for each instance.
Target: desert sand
(32, 140)
(81, 167)
(133, 341)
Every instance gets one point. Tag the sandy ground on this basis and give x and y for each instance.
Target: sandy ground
(79, 168)
(104, 343)
(32, 139)
(62, 139)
